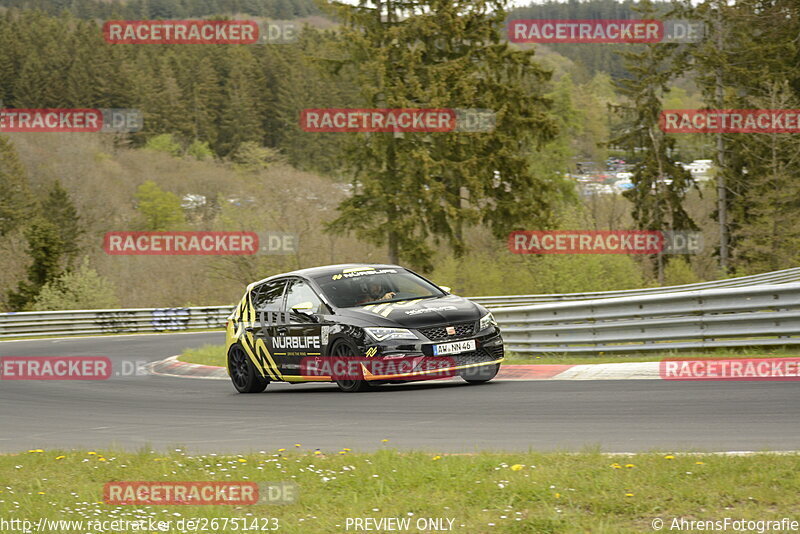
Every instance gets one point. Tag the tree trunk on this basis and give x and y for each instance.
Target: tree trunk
(722, 191)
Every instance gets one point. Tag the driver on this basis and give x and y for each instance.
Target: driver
(375, 292)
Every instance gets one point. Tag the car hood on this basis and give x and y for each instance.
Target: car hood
(417, 313)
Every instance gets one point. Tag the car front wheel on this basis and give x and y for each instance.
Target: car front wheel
(344, 351)
(480, 375)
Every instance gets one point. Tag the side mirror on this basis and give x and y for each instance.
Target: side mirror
(305, 309)
(445, 289)
(303, 306)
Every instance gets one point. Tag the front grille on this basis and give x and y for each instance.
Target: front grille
(478, 356)
(497, 352)
(439, 333)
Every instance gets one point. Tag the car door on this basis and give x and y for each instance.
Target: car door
(268, 304)
(302, 336)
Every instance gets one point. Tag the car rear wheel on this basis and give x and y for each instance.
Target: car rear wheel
(480, 375)
(344, 350)
(244, 375)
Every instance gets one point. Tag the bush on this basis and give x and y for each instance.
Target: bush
(164, 143)
(252, 157)
(161, 209)
(503, 273)
(678, 272)
(200, 151)
(81, 289)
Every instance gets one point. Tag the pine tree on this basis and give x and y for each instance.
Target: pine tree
(243, 115)
(16, 200)
(660, 185)
(46, 251)
(751, 60)
(415, 186)
(58, 208)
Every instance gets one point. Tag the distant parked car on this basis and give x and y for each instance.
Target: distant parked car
(623, 185)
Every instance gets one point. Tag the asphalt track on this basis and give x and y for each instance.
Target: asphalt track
(132, 412)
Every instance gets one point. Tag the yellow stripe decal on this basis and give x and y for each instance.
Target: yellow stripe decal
(260, 345)
(253, 358)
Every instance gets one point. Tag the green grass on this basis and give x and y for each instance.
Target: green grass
(215, 355)
(483, 493)
(205, 355)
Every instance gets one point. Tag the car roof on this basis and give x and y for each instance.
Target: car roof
(323, 270)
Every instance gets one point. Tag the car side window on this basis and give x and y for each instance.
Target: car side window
(267, 296)
(300, 292)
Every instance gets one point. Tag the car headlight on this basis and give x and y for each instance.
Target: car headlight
(487, 321)
(382, 334)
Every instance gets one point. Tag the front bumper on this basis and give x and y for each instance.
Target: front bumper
(423, 365)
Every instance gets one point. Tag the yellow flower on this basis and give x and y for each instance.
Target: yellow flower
(384, 440)
(297, 445)
(317, 452)
(700, 463)
(342, 452)
(517, 467)
(629, 466)
(629, 494)
(101, 460)
(558, 495)
(346, 449)
(436, 458)
(60, 457)
(36, 450)
(90, 453)
(615, 466)
(669, 457)
(242, 461)
(41, 493)
(281, 450)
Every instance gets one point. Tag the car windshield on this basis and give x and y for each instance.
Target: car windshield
(363, 286)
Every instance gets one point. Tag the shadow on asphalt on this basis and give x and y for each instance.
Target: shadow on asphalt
(329, 388)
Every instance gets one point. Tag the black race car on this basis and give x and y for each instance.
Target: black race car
(357, 325)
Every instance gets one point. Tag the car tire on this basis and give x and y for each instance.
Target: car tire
(344, 348)
(244, 375)
(480, 375)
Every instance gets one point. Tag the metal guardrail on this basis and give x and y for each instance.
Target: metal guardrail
(775, 277)
(651, 320)
(725, 317)
(91, 322)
